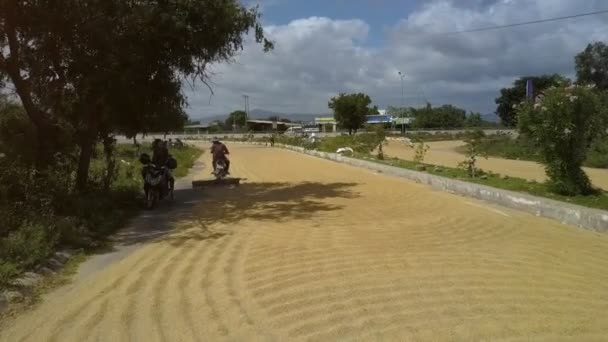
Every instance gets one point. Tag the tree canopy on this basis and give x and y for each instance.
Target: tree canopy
(512, 96)
(350, 110)
(592, 65)
(237, 119)
(446, 116)
(563, 123)
(113, 65)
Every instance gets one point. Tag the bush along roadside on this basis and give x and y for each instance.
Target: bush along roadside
(42, 214)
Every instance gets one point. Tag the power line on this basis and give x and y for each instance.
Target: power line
(498, 27)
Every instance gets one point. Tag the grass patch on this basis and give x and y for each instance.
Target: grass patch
(49, 215)
(522, 148)
(599, 201)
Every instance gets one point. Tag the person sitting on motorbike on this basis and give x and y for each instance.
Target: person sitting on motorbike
(160, 157)
(219, 152)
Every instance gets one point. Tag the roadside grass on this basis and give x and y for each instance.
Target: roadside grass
(79, 221)
(599, 201)
(521, 148)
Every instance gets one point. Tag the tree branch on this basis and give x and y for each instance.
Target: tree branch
(11, 64)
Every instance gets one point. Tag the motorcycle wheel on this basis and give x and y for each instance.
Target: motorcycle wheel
(151, 198)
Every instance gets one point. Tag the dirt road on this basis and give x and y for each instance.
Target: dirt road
(307, 249)
(444, 153)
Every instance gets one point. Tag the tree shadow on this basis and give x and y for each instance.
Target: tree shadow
(195, 210)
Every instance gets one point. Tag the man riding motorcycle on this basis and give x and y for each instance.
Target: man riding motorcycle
(161, 156)
(219, 152)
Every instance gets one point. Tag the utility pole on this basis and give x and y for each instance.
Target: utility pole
(402, 101)
(402, 77)
(246, 97)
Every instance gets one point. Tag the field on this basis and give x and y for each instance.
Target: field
(307, 249)
(445, 153)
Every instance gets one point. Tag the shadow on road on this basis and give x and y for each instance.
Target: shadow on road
(194, 210)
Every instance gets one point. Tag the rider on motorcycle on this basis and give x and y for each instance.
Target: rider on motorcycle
(219, 152)
(160, 157)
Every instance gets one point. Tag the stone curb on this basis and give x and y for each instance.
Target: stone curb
(23, 287)
(570, 214)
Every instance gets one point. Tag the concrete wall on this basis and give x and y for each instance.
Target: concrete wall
(591, 219)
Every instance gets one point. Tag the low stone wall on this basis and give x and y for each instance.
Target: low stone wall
(582, 217)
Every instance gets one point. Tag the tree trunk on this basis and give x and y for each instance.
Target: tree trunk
(87, 146)
(108, 149)
(84, 163)
(135, 140)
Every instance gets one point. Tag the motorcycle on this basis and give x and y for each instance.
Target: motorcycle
(156, 184)
(220, 170)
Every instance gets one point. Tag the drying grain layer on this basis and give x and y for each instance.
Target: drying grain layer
(306, 249)
(444, 153)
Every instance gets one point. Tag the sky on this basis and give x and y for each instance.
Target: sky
(327, 47)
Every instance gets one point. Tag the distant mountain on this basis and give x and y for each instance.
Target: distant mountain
(262, 114)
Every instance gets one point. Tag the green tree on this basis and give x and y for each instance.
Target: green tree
(592, 65)
(400, 112)
(511, 97)
(564, 123)
(113, 65)
(446, 116)
(474, 120)
(472, 152)
(350, 110)
(237, 119)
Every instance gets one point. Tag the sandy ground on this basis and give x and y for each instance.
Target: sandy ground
(310, 250)
(443, 153)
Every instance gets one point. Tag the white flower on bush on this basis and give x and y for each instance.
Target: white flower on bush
(567, 131)
(544, 108)
(572, 98)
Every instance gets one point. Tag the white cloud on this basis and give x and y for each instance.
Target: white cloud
(316, 58)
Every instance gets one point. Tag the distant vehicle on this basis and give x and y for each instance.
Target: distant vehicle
(295, 130)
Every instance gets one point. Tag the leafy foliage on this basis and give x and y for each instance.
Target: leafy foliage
(563, 123)
(350, 110)
(400, 112)
(420, 150)
(597, 156)
(472, 152)
(113, 65)
(446, 116)
(236, 119)
(511, 97)
(592, 65)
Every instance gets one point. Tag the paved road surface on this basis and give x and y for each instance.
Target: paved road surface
(310, 250)
(444, 153)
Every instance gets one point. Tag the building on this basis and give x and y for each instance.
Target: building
(326, 124)
(269, 126)
(197, 129)
(379, 119)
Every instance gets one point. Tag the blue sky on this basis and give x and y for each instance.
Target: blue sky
(379, 14)
(323, 48)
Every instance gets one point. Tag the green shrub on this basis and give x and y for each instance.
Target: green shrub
(8, 271)
(28, 244)
(597, 156)
(563, 124)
